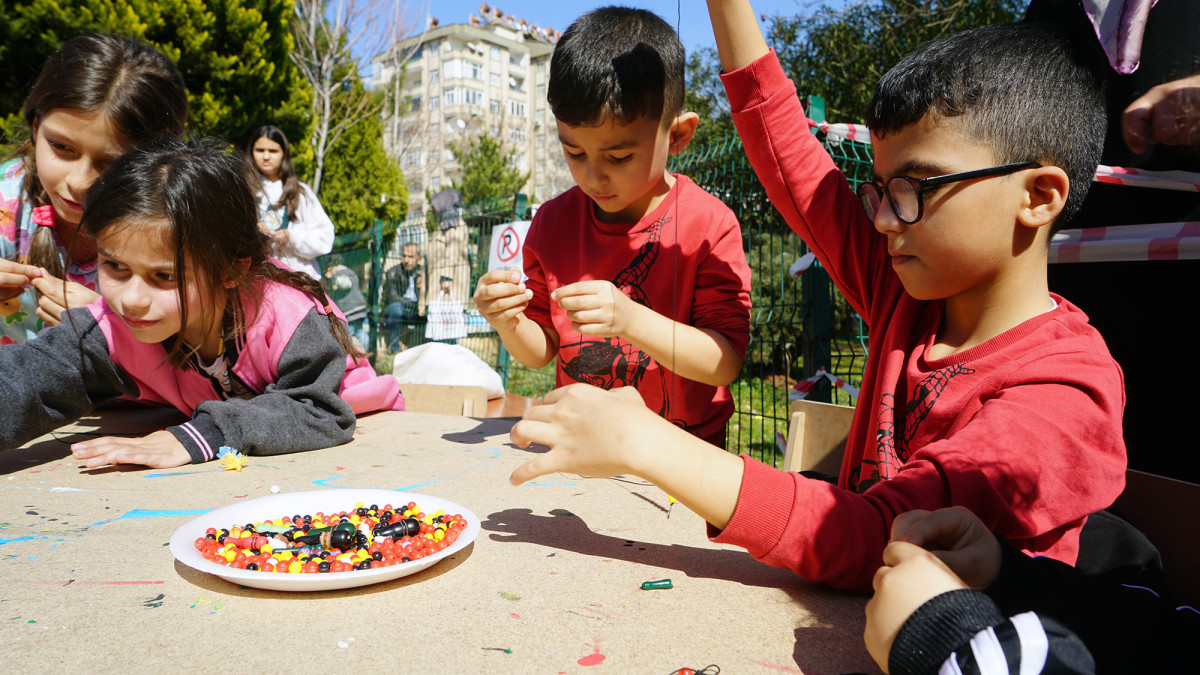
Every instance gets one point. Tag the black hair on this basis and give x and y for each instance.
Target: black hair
(1018, 88)
(617, 63)
(196, 194)
(290, 195)
(132, 84)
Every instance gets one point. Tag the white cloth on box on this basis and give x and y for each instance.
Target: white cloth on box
(440, 363)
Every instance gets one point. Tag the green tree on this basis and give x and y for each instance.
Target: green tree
(362, 184)
(839, 55)
(705, 96)
(486, 171)
(233, 55)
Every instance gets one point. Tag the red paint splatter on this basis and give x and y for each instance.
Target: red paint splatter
(241, 496)
(514, 615)
(593, 659)
(339, 468)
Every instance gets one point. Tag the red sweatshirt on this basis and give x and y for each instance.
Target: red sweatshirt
(1024, 429)
(683, 260)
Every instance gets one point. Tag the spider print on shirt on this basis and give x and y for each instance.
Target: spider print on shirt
(612, 362)
(890, 455)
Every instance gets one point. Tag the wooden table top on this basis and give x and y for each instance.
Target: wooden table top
(551, 584)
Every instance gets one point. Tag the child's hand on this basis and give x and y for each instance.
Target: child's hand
(595, 307)
(910, 576)
(53, 301)
(500, 297)
(590, 432)
(1168, 113)
(958, 537)
(159, 450)
(14, 277)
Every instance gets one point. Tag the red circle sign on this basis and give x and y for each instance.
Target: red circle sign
(508, 246)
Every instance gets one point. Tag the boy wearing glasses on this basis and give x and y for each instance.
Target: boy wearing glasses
(982, 389)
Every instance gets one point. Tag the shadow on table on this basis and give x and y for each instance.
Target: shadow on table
(218, 585)
(838, 616)
(483, 432)
(566, 531)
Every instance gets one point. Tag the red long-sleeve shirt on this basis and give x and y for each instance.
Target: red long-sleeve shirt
(1024, 429)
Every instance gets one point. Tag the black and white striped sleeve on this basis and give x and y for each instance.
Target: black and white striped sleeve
(963, 633)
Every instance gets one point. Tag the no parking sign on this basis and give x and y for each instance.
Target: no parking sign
(507, 241)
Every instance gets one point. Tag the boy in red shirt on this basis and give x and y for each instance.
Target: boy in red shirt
(982, 389)
(635, 277)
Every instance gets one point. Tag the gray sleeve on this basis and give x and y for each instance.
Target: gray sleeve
(57, 378)
(301, 411)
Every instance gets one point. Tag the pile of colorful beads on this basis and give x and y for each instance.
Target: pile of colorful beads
(359, 539)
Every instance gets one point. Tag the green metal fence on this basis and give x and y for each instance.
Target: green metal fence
(797, 324)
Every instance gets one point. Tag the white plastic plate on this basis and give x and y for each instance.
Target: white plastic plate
(183, 542)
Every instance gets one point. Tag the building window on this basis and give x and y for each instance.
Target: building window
(496, 54)
(433, 75)
(517, 135)
(516, 59)
(541, 92)
(411, 158)
(416, 104)
(516, 84)
(516, 108)
(463, 96)
(494, 105)
(494, 130)
(436, 183)
(541, 140)
(541, 116)
(495, 79)
(459, 68)
(434, 102)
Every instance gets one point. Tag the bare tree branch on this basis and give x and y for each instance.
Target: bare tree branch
(333, 37)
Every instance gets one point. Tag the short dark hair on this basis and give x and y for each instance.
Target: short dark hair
(1018, 88)
(617, 63)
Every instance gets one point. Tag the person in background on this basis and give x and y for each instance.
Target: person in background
(404, 298)
(344, 289)
(96, 98)
(288, 210)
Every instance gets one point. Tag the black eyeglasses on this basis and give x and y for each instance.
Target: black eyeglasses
(906, 194)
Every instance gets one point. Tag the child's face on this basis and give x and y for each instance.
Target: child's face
(622, 167)
(136, 277)
(267, 156)
(964, 242)
(72, 149)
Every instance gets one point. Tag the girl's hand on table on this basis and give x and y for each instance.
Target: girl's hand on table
(159, 450)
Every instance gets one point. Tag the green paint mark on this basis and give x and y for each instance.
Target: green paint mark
(509, 596)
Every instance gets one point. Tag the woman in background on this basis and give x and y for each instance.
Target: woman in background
(288, 210)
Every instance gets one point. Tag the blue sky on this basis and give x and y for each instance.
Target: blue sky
(690, 17)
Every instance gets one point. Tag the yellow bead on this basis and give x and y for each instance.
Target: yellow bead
(438, 535)
(295, 567)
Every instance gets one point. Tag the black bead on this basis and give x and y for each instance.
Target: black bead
(253, 567)
(406, 559)
(376, 556)
(324, 566)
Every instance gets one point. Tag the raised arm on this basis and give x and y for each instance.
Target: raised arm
(739, 40)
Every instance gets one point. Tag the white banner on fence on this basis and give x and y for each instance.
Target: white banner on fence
(507, 241)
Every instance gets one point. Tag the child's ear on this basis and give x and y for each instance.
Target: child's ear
(1046, 190)
(243, 263)
(682, 130)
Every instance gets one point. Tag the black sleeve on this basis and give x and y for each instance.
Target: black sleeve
(301, 411)
(963, 631)
(1127, 629)
(57, 378)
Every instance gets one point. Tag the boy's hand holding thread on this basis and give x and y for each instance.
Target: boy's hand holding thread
(596, 307)
(957, 537)
(54, 301)
(500, 297)
(159, 450)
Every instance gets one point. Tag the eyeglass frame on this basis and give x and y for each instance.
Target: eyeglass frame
(923, 185)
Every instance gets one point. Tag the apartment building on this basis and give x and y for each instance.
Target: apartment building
(486, 76)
